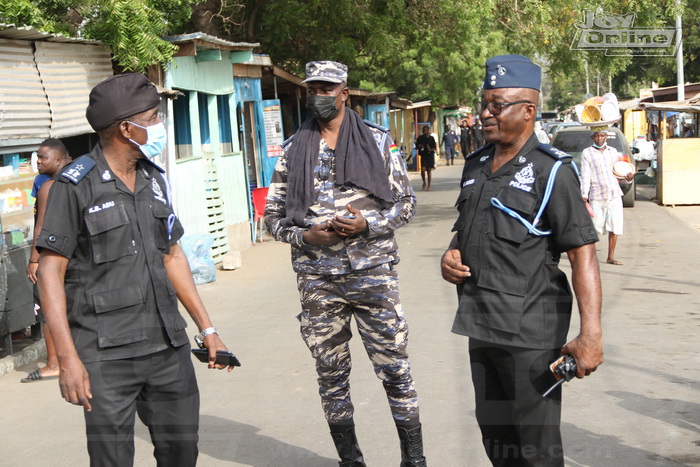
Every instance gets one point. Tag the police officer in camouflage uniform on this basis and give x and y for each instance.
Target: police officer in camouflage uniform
(514, 301)
(338, 193)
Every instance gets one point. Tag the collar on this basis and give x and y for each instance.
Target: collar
(522, 157)
(145, 166)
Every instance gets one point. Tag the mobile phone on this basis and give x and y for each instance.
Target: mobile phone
(223, 357)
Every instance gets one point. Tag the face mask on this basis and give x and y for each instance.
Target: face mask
(599, 147)
(322, 107)
(157, 137)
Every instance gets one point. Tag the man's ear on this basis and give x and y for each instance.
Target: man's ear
(530, 113)
(124, 129)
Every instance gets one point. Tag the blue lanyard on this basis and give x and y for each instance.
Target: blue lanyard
(171, 223)
(532, 227)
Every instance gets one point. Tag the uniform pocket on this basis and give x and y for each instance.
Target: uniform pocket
(501, 298)
(462, 204)
(507, 227)
(120, 316)
(110, 234)
(161, 231)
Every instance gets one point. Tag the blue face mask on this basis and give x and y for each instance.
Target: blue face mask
(157, 137)
(599, 147)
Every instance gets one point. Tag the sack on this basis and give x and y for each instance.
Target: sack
(197, 250)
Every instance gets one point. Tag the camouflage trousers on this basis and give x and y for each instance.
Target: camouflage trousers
(328, 303)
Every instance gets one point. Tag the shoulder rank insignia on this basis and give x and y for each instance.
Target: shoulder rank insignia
(374, 125)
(78, 169)
(554, 152)
(480, 150)
(287, 141)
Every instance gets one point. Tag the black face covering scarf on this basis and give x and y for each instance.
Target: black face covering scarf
(358, 162)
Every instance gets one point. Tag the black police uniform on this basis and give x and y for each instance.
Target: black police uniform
(122, 309)
(516, 306)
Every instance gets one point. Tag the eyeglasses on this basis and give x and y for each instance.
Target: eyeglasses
(325, 170)
(495, 108)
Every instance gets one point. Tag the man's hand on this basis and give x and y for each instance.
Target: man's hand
(74, 382)
(453, 270)
(588, 353)
(321, 234)
(213, 343)
(31, 272)
(347, 227)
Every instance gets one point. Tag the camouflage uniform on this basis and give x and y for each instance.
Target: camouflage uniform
(353, 277)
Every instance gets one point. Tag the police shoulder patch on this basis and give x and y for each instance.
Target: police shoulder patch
(78, 169)
(374, 125)
(480, 150)
(554, 152)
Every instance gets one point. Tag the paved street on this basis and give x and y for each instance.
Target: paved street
(641, 408)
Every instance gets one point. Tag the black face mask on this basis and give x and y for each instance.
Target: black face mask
(322, 107)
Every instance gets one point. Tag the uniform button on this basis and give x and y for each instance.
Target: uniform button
(591, 232)
(51, 239)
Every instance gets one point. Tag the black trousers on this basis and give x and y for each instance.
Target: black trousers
(518, 426)
(162, 389)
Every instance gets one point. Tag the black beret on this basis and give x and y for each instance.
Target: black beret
(119, 97)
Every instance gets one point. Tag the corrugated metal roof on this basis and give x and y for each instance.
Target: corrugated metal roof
(28, 33)
(24, 109)
(200, 36)
(69, 72)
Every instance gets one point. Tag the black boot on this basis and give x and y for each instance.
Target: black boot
(346, 445)
(411, 446)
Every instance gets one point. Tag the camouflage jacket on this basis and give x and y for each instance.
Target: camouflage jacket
(374, 247)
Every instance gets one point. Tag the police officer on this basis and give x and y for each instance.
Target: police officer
(338, 193)
(514, 301)
(110, 269)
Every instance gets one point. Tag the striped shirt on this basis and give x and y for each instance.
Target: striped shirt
(597, 179)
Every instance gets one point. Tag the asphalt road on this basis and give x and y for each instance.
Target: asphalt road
(641, 408)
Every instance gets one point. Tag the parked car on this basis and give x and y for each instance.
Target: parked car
(550, 128)
(573, 140)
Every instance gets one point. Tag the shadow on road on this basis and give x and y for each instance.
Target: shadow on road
(683, 414)
(231, 441)
(586, 448)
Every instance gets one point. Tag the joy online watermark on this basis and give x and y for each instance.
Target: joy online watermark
(616, 35)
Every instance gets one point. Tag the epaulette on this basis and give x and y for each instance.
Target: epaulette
(374, 125)
(287, 141)
(554, 152)
(156, 166)
(78, 169)
(480, 150)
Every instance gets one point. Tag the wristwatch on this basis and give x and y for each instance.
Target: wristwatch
(199, 338)
(207, 332)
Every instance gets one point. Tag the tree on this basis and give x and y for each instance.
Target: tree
(133, 29)
(423, 49)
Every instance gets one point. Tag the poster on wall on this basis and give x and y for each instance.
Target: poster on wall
(272, 117)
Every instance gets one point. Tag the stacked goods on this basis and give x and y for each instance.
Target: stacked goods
(599, 110)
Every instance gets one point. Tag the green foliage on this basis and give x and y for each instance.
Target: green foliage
(422, 49)
(131, 28)
(22, 12)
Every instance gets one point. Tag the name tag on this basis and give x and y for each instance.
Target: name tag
(469, 182)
